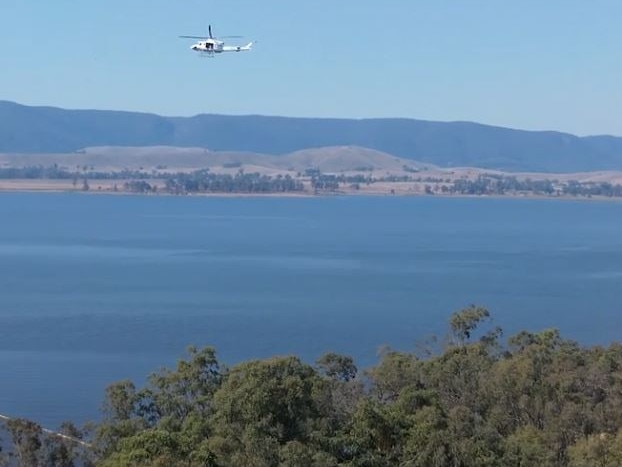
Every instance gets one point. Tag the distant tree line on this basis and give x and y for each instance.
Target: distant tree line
(35, 172)
(575, 188)
(54, 172)
(200, 181)
(502, 185)
(332, 182)
(487, 185)
(139, 186)
(203, 181)
(469, 399)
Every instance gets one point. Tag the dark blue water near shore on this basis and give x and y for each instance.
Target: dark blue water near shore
(95, 289)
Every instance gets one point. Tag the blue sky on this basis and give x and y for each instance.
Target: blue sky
(533, 64)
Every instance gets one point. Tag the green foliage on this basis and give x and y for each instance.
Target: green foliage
(26, 437)
(203, 181)
(464, 322)
(189, 389)
(598, 450)
(263, 402)
(396, 372)
(527, 446)
(492, 184)
(173, 408)
(154, 447)
(536, 400)
(64, 452)
(339, 367)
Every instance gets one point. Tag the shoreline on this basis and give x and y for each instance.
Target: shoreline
(306, 195)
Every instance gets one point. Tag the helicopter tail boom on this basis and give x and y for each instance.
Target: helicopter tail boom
(244, 48)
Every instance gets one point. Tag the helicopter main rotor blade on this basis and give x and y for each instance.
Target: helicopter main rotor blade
(231, 37)
(210, 31)
(193, 37)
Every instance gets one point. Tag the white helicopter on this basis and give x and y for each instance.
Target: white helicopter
(210, 45)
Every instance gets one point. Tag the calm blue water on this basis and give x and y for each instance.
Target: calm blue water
(95, 289)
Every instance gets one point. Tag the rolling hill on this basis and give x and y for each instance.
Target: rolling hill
(170, 159)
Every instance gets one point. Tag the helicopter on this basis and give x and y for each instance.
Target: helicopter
(210, 45)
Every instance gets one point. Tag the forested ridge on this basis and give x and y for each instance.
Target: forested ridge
(470, 398)
(26, 129)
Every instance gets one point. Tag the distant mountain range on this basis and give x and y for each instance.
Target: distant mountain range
(25, 129)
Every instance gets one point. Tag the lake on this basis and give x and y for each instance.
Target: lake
(94, 289)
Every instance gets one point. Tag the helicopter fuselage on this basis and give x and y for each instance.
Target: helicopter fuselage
(209, 45)
(213, 46)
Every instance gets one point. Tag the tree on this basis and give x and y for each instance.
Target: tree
(464, 322)
(528, 446)
(599, 450)
(339, 367)
(66, 450)
(267, 403)
(156, 448)
(396, 372)
(26, 437)
(120, 400)
(175, 407)
(190, 388)
(4, 458)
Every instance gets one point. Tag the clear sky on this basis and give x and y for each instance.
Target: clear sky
(533, 64)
